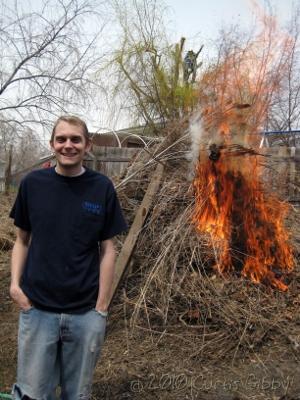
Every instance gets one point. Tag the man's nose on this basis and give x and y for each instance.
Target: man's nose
(68, 143)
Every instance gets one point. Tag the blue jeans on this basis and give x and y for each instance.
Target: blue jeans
(57, 350)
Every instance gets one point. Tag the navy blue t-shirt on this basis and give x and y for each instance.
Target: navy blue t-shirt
(67, 217)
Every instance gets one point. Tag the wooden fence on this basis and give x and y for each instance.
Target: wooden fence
(281, 173)
(111, 161)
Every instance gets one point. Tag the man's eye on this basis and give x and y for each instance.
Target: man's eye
(76, 140)
(60, 140)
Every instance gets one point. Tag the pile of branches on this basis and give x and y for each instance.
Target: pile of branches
(173, 286)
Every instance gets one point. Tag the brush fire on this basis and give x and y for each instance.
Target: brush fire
(246, 223)
(232, 204)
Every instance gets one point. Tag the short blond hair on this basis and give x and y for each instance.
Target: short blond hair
(72, 120)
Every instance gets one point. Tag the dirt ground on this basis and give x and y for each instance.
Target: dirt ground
(156, 363)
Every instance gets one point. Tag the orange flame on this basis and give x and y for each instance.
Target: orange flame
(245, 222)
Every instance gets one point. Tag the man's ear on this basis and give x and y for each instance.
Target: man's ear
(88, 145)
(51, 145)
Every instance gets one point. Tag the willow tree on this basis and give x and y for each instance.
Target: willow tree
(147, 71)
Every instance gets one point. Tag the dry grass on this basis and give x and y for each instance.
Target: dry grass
(6, 227)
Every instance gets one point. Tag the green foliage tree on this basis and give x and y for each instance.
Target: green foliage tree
(150, 71)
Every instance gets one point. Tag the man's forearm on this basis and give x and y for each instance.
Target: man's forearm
(107, 270)
(18, 258)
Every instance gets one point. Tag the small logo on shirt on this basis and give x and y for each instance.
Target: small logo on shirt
(92, 208)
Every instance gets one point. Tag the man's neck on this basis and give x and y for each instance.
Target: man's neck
(71, 173)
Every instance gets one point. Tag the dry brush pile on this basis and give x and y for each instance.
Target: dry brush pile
(172, 286)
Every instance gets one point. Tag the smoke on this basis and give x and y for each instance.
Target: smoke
(201, 140)
(196, 132)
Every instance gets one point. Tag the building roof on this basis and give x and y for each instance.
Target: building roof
(136, 136)
(142, 130)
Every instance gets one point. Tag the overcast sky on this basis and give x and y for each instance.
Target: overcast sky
(196, 19)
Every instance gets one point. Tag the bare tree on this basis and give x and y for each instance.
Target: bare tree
(285, 111)
(28, 150)
(48, 56)
(18, 151)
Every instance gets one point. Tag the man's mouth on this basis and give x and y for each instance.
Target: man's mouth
(69, 154)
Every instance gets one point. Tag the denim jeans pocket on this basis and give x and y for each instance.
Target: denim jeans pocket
(28, 310)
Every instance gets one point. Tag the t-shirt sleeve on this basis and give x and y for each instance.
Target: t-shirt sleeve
(114, 222)
(19, 211)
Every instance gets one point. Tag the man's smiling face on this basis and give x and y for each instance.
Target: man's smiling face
(69, 145)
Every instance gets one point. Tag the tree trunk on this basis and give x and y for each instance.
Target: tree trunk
(7, 178)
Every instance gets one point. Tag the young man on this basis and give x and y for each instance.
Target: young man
(62, 268)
